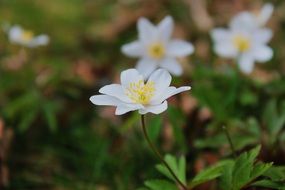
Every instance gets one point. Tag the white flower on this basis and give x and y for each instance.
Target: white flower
(155, 48)
(26, 38)
(246, 46)
(251, 20)
(135, 94)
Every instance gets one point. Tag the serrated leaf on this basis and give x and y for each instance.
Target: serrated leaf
(208, 174)
(270, 184)
(276, 173)
(242, 170)
(182, 169)
(177, 166)
(259, 169)
(226, 177)
(157, 184)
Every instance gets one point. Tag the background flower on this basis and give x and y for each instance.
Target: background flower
(246, 39)
(26, 38)
(155, 48)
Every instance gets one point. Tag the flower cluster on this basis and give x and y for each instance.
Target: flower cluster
(246, 39)
(146, 89)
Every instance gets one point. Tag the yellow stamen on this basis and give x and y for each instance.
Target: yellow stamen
(140, 93)
(27, 35)
(156, 50)
(242, 43)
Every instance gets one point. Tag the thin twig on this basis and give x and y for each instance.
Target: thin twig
(154, 149)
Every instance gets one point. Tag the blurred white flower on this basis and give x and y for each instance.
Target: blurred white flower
(135, 94)
(251, 20)
(155, 48)
(246, 46)
(26, 38)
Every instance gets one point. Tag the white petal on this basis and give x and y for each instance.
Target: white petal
(172, 66)
(42, 39)
(129, 76)
(179, 48)
(161, 79)
(15, 33)
(246, 63)
(122, 109)
(38, 41)
(225, 49)
(220, 34)
(116, 91)
(156, 109)
(173, 91)
(263, 53)
(146, 66)
(104, 100)
(133, 49)
(165, 28)
(146, 30)
(265, 14)
(262, 35)
(244, 21)
(170, 91)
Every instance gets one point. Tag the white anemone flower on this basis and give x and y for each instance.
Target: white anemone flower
(135, 94)
(253, 20)
(26, 38)
(245, 46)
(155, 48)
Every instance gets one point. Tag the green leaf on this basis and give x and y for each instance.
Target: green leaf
(177, 166)
(208, 174)
(259, 169)
(243, 170)
(182, 169)
(270, 184)
(160, 185)
(276, 173)
(226, 177)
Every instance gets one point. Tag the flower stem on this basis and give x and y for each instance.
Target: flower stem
(230, 141)
(154, 149)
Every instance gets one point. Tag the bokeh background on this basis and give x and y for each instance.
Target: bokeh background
(52, 137)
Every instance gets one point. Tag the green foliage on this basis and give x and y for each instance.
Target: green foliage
(239, 173)
(177, 165)
(209, 174)
(160, 184)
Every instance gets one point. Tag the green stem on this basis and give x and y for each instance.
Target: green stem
(154, 149)
(230, 141)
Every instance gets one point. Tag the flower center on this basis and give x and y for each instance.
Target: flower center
(27, 35)
(139, 92)
(156, 50)
(242, 43)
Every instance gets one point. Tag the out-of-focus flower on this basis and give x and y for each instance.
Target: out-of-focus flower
(246, 39)
(253, 20)
(26, 38)
(135, 94)
(155, 48)
(246, 46)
